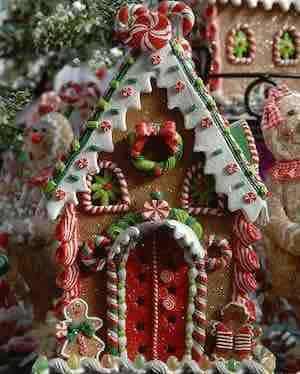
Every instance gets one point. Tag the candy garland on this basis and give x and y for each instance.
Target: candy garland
(277, 53)
(86, 197)
(196, 172)
(246, 262)
(112, 308)
(138, 140)
(142, 29)
(241, 31)
(66, 254)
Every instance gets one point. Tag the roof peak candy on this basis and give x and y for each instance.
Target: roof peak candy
(168, 65)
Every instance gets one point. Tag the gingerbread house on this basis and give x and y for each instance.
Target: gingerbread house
(157, 193)
(250, 36)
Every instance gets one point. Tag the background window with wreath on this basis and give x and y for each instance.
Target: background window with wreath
(241, 45)
(286, 46)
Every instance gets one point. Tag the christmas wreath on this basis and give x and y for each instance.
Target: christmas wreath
(172, 139)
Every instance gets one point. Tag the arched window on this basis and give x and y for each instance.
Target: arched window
(286, 47)
(241, 45)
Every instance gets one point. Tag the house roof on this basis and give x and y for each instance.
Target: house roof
(285, 5)
(195, 104)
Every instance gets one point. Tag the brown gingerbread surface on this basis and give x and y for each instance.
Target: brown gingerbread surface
(39, 273)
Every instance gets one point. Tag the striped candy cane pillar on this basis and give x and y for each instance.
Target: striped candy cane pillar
(199, 317)
(245, 259)
(112, 308)
(66, 255)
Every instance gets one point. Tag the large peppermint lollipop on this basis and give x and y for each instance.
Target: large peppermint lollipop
(139, 28)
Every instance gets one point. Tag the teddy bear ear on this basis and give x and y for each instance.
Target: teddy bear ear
(272, 117)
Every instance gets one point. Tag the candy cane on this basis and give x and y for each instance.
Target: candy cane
(199, 316)
(181, 13)
(112, 307)
(196, 171)
(251, 144)
(86, 197)
(219, 263)
(141, 29)
(88, 256)
(66, 255)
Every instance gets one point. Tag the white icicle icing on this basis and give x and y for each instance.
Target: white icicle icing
(167, 73)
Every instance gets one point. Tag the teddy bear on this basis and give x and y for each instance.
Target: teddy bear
(281, 131)
(281, 237)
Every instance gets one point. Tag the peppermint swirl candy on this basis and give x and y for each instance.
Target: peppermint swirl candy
(150, 32)
(140, 28)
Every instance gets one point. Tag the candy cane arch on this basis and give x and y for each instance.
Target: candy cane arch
(66, 254)
(196, 171)
(246, 262)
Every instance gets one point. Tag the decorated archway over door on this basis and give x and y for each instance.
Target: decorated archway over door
(161, 283)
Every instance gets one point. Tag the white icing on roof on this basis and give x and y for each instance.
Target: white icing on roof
(193, 108)
(285, 5)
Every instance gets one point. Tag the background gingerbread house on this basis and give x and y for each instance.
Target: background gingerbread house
(252, 37)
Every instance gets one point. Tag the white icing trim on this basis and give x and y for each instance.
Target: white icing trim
(182, 233)
(167, 73)
(285, 5)
(124, 366)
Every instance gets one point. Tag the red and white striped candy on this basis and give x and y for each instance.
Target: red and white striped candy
(245, 282)
(150, 32)
(139, 28)
(179, 12)
(126, 15)
(221, 262)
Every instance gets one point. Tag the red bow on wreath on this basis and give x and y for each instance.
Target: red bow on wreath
(144, 130)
